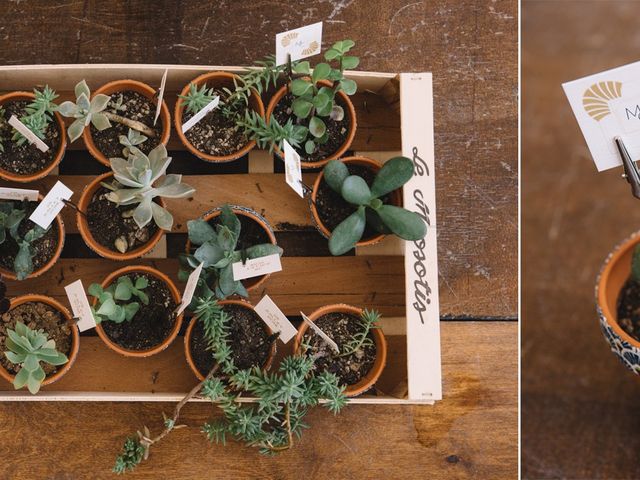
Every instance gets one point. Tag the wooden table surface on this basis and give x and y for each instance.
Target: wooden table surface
(471, 48)
(580, 405)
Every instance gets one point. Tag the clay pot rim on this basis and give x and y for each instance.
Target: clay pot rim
(176, 296)
(351, 111)
(85, 232)
(52, 261)
(177, 119)
(189, 331)
(62, 146)
(396, 199)
(118, 86)
(75, 335)
(373, 375)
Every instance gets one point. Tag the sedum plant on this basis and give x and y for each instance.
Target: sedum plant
(27, 348)
(217, 251)
(114, 302)
(368, 320)
(370, 208)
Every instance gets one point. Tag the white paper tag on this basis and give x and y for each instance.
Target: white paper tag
(18, 194)
(80, 305)
(163, 82)
(51, 205)
(292, 168)
(333, 345)
(190, 289)
(300, 43)
(275, 319)
(200, 115)
(254, 267)
(28, 134)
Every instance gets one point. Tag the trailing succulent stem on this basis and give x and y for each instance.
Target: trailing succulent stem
(269, 135)
(114, 302)
(368, 320)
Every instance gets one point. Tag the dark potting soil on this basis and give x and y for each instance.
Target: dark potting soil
(215, 134)
(629, 308)
(135, 106)
(338, 131)
(25, 159)
(107, 224)
(43, 249)
(340, 327)
(249, 341)
(151, 324)
(37, 316)
(333, 209)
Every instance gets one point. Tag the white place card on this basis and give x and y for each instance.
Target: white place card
(275, 319)
(18, 194)
(254, 267)
(163, 82)
(300, 43)
(80, 305)
(333, 345)
(190, 289)
(293, 169)
(607, 105)
(51, 205)
(200, 115)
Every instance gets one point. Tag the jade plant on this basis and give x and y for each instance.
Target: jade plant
(217, 249)
(371, 210)
(27, 348)
(119, 301)
(283, 398)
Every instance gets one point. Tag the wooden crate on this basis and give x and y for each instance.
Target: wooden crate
(399, 279)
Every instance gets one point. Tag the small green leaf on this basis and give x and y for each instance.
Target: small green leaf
(405, 224)
(21, 378)
(317, 127)
(393, 175)
(301, 67)
(335, 173)
(355, 190)
(95, 290)
(309, 147)
(200, 231)
(301, 107)
(142, 282)
(345, 236)
(300, 87)
(31, 362)
(348, 86)
(349, 62)
(320, 72)
(331, 54)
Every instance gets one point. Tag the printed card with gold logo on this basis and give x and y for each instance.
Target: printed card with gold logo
(300, 43)
(607, 105)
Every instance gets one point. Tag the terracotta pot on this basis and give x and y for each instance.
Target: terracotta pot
(56, 255)
(14, 177)
(215, 80)
(174, 293)
(381, 347)
(349, 110)
(396, 199)
(75, 336)
(249, 283)
(83, 226)
(188, 333)
(118, 86)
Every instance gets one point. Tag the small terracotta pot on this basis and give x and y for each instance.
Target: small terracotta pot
(249, 283)
(85, 199)
(381, 347)
(118, 86)
(349, 110)
(62, 146)
(174, 293)
(75, 336)
(188, 333)
(215, 80)
(396, 199)
(56, 255)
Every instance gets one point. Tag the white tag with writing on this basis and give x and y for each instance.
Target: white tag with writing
(300, 43)
(51, 205)
(293, 169)
(275, 319)
(333, 345)
(254, 267)
(80, 305)
(190, 289)
(163, 82)
(200, 115)
(18, 194)
(28, 134)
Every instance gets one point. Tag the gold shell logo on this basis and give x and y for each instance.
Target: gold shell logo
(288, 38)
(596, 98)
(311, 49)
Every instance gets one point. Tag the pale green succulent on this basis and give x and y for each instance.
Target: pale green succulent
(85, 111)
(112, 300)
(132, 139)
(27, 348)
(134, 184)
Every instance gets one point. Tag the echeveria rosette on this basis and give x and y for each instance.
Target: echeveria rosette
(370, 208)
(85, 111)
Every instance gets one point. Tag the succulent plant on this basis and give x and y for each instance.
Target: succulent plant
(134, 185)
(217, 252)
(130, 140)
(10, 218)
(368, 320)
(114, 301)
(370, 208)
(27, 348)
(268, 135)
(197, 98)
(85, 111)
